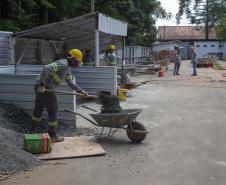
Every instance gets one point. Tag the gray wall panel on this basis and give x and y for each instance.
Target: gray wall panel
(92, 79)
(6, 48)
(18, 89)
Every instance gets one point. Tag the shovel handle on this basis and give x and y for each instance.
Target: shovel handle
(69, 93)
(63, 92)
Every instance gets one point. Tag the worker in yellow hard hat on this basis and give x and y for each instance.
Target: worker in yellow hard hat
(88, 59)
(110, 56)
(51, 76)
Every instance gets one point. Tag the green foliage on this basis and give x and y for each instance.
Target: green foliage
(221, 28)
(140, 14)
(206, 13)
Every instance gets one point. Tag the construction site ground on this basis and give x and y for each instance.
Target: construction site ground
(186, 144)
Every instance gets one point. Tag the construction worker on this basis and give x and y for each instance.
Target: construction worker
(51, 76)
(88, 59)
(110, 57)
(177, 60)
(194, 61)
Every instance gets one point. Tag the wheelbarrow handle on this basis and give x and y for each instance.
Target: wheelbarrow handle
(89, 108)
(91, 121)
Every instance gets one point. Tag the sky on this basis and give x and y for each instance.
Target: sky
(170, 6)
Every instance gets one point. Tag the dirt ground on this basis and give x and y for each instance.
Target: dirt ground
(185, 146)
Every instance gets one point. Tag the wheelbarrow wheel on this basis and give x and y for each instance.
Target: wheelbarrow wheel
(136, 137)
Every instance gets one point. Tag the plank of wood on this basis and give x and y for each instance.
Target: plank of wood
(74, 147)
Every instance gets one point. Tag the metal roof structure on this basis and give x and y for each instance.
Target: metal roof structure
(76, 27)
(188, 33)
(78, 30)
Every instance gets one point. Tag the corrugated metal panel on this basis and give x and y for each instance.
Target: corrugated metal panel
(6, 48)
(112, 26)
(18, 89)
(62, 30)
(7, 69)
(134, 54)
(92, 79)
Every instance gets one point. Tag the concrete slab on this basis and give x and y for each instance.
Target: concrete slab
(74, 147)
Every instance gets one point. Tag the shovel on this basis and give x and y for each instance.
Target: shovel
(70, 93)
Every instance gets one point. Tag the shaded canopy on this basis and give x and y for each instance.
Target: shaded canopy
(77, 27)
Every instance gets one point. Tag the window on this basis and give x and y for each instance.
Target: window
(220, 46)
(212, 46)
(197, 46)
(205, 46)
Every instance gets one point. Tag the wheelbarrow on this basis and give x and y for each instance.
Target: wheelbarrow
(125, 120)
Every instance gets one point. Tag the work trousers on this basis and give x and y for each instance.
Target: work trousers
(176, 68)
(48, 101)
(194, 66)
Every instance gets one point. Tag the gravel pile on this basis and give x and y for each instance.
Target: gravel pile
(17, 120)
(12, 157)
(14, 119)
(14, 123)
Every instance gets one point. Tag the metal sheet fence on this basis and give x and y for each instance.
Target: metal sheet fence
(6, 48)
(19, 90)
(134, 54)
(92, 79)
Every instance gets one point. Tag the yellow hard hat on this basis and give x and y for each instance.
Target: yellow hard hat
(111, 46)
(77, 54)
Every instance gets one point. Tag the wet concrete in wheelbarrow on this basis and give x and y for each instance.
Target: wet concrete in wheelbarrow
(186, 145)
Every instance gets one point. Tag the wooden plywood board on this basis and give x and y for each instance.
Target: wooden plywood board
(73, 147)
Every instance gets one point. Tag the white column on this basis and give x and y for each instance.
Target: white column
(97, 47)
(74, 106)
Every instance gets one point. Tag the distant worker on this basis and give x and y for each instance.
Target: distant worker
(51, 76)
(177, 63)
(110, 56)
(194, 61)
(88, 59)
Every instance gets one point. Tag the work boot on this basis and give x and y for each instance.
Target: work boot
(53, 135)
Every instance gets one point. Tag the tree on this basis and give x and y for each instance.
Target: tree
(141, 16)
(221, 28)
(204, 13)
(17, 15)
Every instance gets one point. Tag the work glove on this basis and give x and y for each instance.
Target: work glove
(85, 93)
(41, 88)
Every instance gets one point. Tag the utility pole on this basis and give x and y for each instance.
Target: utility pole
(92, 6)
(207, 21)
